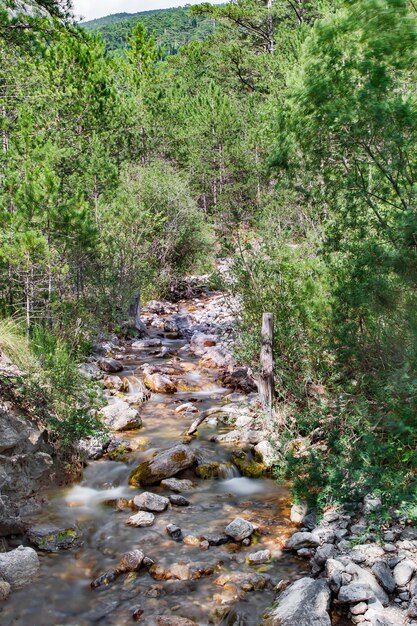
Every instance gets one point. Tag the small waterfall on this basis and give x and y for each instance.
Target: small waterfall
(228, 471)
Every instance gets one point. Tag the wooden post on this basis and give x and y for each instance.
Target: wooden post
(266, 376)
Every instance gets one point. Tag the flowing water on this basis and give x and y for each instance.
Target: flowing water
(61, 595)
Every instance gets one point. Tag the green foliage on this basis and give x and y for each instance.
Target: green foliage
(71, 400)
(171, 28)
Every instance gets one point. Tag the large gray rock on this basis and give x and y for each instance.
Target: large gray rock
(384, 575)
(355, 593)
(27, 464)
(366, 577)
(178, 324)
(403, 572)
(239, 529)
(19, 567)
(177, 485)
(110, 366)
(216, 357)
(148, 501)
(164, 465)
(120, 416)
(304, 603)
(302, 540)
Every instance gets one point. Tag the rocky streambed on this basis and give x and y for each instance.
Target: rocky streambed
(176, 521)
(165, 527)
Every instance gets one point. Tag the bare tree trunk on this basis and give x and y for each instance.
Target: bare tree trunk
(266, 376)
(135, 314)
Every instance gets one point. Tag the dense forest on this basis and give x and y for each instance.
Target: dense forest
(172, 28)
(284, 139)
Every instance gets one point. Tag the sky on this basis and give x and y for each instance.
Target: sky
(90, 9)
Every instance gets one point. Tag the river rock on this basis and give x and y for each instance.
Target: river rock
(302, 540)
(298, 513)
(131, 561)
(159, 383)
(144, 344)
(216, 357)
(178, 324)
(141, 519)
(403, 572)
(239, 529)
(215, 539)
(257, 558)
(164, 465)
(148, 501)
(201, 341)
(188, 407)
(177, 485)
(384, 575)
(116, 383)
(265, 453)
(304, 603)
(120, 416)
(90, 371)
(409, 534)
(355, 593)
(111, 366)
(178, 500)
(174, 532)
(19, 567)
(53, 539)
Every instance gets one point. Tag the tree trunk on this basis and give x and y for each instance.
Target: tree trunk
(135, 314)
(266, 376)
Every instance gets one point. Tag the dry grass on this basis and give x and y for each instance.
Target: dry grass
(14, 344)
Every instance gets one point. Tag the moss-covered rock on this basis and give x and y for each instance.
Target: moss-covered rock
(208, 470)
(53, 539)
(164, 464)
(247, 466)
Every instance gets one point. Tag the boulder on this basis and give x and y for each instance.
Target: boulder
(144, 344)
(265, 453)
(164, 465)
(120, 416)
(403, 572)
(131, 561)
(178, 500)
(141, 519)
(302, 540)
(159, 383)
(148, 501)
(216, 357)
(90, 371)
(355, 593)
(239, 529)
(178, 324)
(177, 485)
(304, 603)
(257, 558)
(383, 573)
(116, 383)
(201, 341)
(53, 539)
(111, 366)
(298, 513)
(19, 567)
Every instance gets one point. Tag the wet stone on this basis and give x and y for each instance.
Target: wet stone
(257, 558)
(178, 500)
(239, 529)
(174, 532)
(215, 539)
(148, 501)
(141, 519)
(53, 539)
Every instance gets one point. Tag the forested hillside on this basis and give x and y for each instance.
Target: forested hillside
(283, 139)
(172, 28)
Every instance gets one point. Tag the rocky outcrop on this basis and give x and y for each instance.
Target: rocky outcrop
(305, 603)
(27, 463)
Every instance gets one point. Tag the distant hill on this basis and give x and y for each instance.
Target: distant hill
(172, 28)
